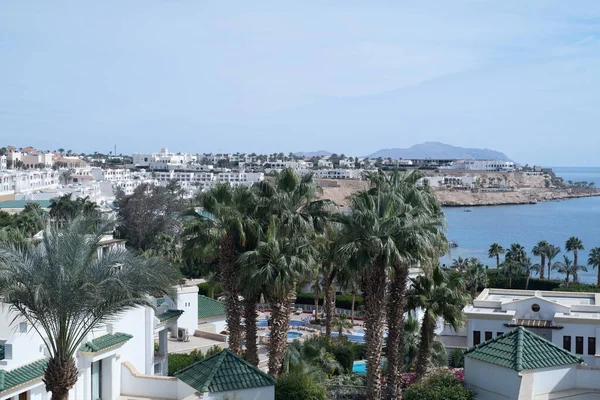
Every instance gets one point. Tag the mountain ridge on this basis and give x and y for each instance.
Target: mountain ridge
(438, 150)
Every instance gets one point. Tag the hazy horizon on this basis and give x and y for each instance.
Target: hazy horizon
(347, 77)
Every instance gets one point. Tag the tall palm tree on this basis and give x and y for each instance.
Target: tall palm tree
(530, 268)
(511, 269)
(311, 358)
(494, 252)
(367, 245)
(539, 250)
(574, 244)
(63, 289)
(420, 241)
(594, 260)
(280, 262)
(439, 297)
(551, 252)
(516, 253)
(475, 277)
(227, 223)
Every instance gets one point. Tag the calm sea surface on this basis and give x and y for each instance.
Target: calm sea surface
(528, 224)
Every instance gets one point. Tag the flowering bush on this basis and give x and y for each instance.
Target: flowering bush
(459, 373)
(407, 379)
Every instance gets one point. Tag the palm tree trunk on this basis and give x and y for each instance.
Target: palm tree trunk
(425, 345)
(549, 267)
(212, 292)
(527, 280)
(278, 341)
(228, 256)
(395, 341)
(575, 258)
(251, 329)
(316, 299)
(329, 303)
(497, 261)
(352, 306)
(509, 281)
(598, 283)
(542, 263)
(60, 376)
(375, 305)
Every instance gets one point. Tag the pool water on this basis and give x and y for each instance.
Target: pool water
(295, 322)
(359, 367)
(291, 335)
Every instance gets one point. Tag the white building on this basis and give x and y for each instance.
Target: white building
(3, 164)
(112, 175)
(163, 160)
(118, 359)
(483, 165)
(569, 320)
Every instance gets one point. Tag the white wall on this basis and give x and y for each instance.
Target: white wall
(216, 324)
(135, 349)
(262, 393)
(550, 380)
(491, 382)
(133, 384)
(485, 325)
(187, 300)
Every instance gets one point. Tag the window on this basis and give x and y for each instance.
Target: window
(488, 335)
(567, 343)
(592, 346)
(476, 338)
(24, 396)
(535, 307)
(579, 345)
(499, 333)
(97, 380)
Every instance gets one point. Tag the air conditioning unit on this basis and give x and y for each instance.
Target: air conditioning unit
(183, 335)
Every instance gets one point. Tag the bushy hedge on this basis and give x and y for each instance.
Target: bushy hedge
(442, 385)
(499, 281)
(178, 361)
(579, 287)
(341, 300)
(299, 387)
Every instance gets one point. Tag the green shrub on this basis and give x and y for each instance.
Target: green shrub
(205, 289)
(341, 300)
(299, 387)
(441, 385)
(345, 356)
(456, 359)
(579, 287)
(359, 351)
(178, 361)
(497, 280)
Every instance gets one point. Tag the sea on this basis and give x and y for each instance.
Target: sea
(527, 224)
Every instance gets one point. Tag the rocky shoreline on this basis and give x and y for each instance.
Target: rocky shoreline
(521, 196)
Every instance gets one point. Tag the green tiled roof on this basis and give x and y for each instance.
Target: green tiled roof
(223, 372)
(208, 307)
(160, 301)
(1, 352)
(21, 375)
(105, 341)
(22, 203)
(169, 314)
(520, 349)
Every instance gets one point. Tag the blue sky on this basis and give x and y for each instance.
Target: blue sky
(346, 76)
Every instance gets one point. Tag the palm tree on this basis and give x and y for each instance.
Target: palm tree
(494, 252)
(516, 253)
(226, 222)
(511, 269)
(594, 260)
(551, 252)
(539, 250)
(574, 244)
(311, 358)
(439, 297)
(279, 262)
(569, 268)
(412, 341)
(63, 289)
(419, 241)
(475, 277)
(528, 267)
(340, 323)
(460, 264)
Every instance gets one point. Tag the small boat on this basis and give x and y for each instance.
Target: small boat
(467, 210)
(453, 244)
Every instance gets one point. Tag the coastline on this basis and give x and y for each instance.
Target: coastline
(517, 197)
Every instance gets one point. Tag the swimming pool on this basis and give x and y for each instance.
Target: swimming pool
(291, 335)
(359, 367)
(295, 322)
(351, 338)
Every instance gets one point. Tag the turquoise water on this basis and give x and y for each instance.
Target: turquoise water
(528, 224)
(359, 367)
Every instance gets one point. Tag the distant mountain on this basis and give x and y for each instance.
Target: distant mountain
(440, 151)
(308, 154)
